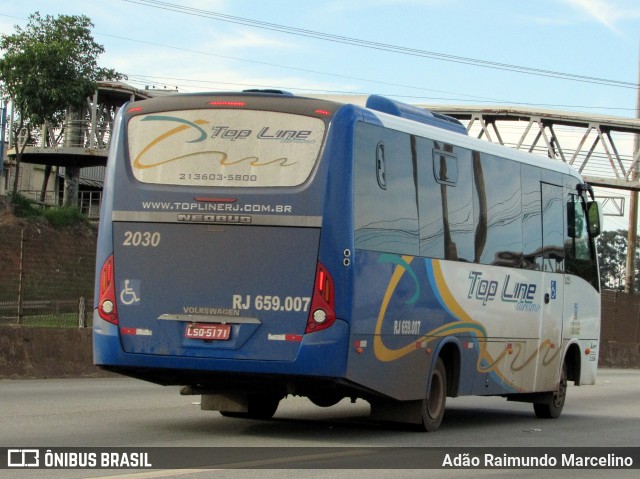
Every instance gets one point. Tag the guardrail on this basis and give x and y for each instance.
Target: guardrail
(46, 312)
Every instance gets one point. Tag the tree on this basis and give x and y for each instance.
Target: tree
(46, 68)
(612, 257)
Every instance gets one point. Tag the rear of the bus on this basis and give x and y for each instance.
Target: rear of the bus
(210, 265)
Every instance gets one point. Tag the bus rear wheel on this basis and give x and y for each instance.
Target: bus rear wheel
(552, 408)
(260, 406)
(434, 404)
(327, 399)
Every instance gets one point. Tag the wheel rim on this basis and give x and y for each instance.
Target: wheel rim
(559, 396)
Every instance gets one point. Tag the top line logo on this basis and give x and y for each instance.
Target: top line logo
(486, 290)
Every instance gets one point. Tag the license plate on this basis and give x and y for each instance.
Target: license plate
(219, 332)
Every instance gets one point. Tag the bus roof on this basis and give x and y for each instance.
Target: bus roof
(380, 108)
(464, 141)
(399, 109)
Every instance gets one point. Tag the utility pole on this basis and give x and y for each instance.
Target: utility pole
(3, 126)
(632, 235)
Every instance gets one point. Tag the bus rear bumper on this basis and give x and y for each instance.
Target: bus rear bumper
(321, 354)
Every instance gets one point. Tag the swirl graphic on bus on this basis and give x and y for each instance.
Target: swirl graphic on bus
(255, 161)
(184, 125)
(200, 136)
(464, 324)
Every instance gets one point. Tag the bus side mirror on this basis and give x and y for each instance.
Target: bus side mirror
(594, 217)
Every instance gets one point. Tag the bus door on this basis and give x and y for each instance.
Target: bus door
(581, 305)
(551, 263)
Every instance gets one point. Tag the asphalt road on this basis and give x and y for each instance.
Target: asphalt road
(121, 412)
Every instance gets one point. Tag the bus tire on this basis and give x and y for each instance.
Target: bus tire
(552, 407)
(234, 414)
(262, 406)
(434, 404)
(325, 399)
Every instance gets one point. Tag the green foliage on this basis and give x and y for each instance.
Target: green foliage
(50, 65)
(58, 217)
(62, 320)
(612, 258)
(23, 207)
(47, 67)
(64, 217)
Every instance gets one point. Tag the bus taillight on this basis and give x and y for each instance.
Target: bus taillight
(107, 302)
(322, 314)
(239, 104)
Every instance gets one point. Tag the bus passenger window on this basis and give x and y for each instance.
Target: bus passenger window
(385, 205)
(498, 236)
(531, 218)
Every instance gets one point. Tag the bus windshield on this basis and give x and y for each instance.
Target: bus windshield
(224, 147)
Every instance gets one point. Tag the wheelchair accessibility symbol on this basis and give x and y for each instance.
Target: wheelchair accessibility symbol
(130, 294)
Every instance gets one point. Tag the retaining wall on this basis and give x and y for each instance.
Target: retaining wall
(620, 332)
(29, 352)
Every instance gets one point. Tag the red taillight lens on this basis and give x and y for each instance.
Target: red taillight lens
(107, 301)
(322, 314)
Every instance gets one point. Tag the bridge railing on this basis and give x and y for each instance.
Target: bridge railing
(74, 134)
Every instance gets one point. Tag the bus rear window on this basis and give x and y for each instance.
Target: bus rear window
(241, 148)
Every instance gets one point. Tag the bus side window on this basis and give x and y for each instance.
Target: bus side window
(498, 236)
(531, 218)
(385, 205)
(577, 236)
(580, 258)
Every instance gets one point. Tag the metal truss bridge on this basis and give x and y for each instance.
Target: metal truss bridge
(600, 147)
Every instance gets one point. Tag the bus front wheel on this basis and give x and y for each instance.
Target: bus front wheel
(434, 404)
(552, 408)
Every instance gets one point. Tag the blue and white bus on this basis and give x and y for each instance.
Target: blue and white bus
(258, 245)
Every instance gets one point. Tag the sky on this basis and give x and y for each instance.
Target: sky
(462, 52)
(190, 47)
